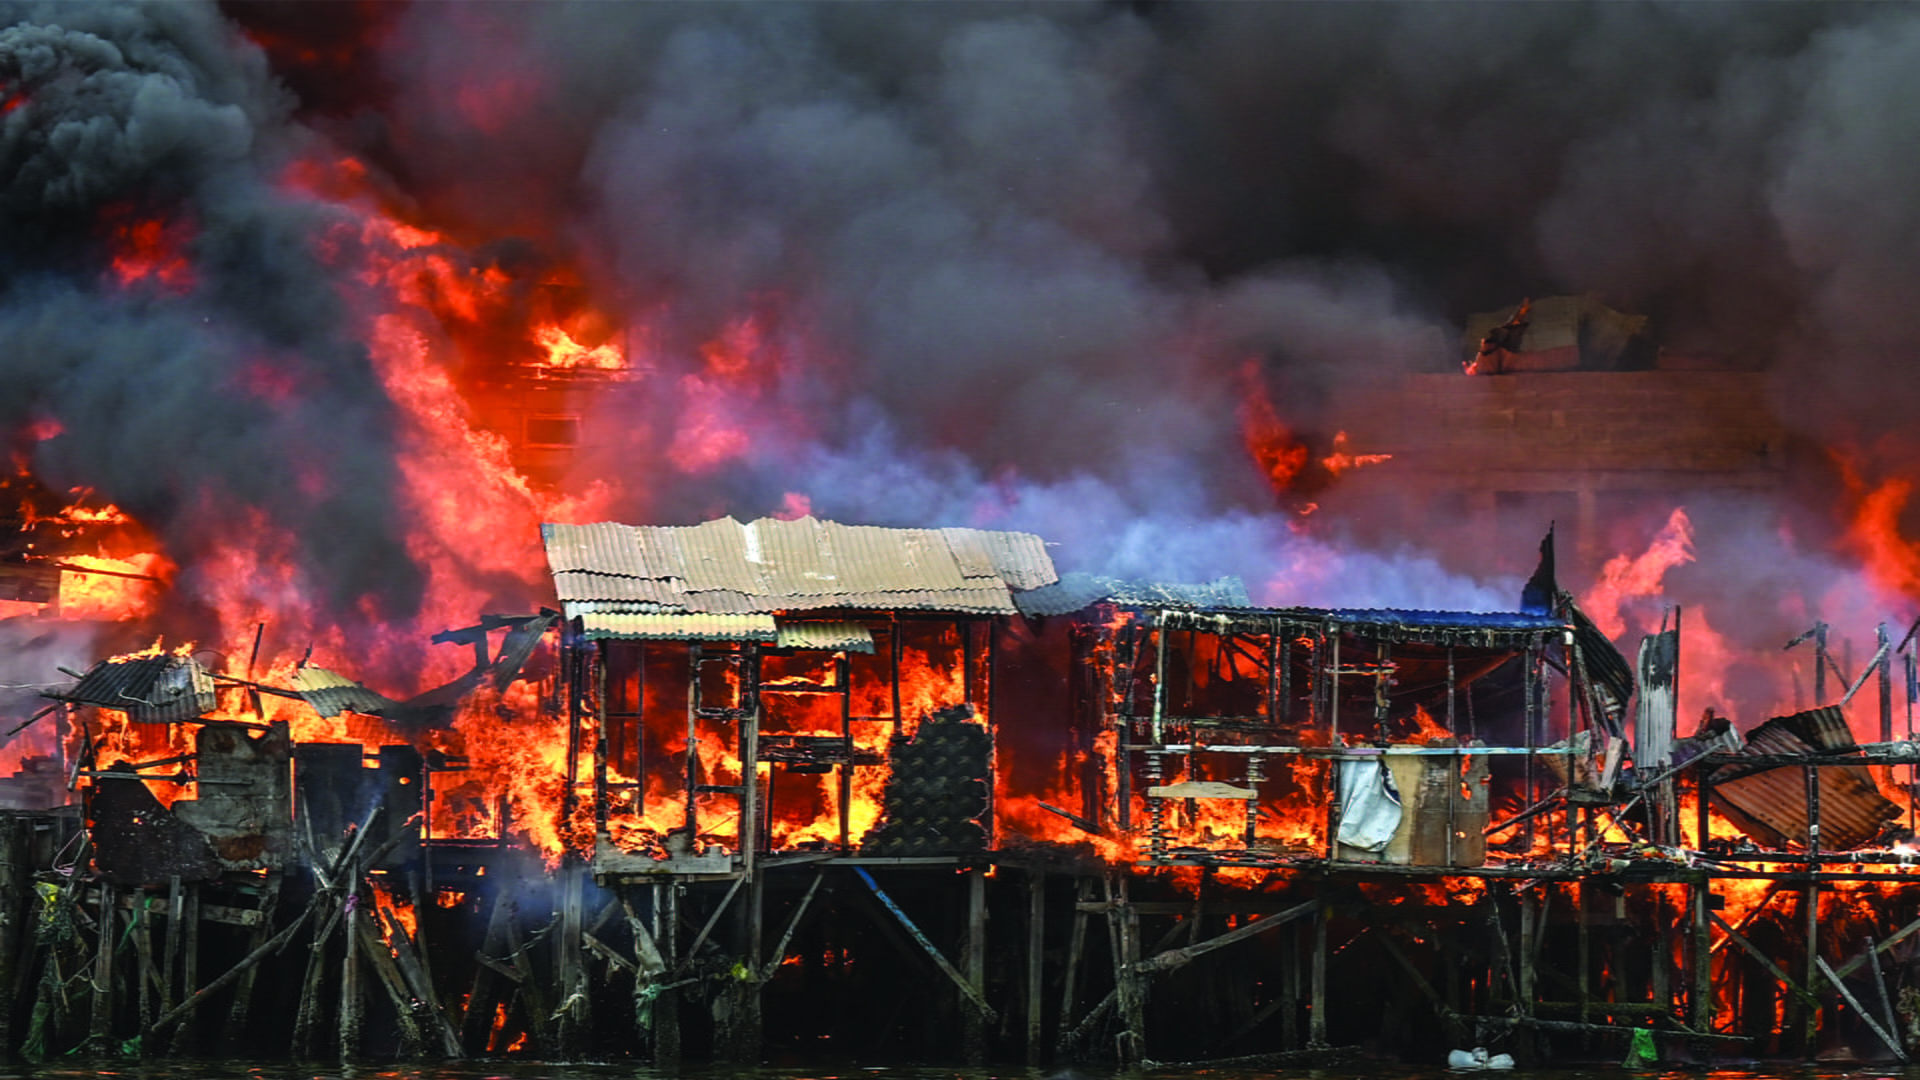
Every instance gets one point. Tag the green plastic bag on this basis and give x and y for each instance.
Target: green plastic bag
(1641, 1052)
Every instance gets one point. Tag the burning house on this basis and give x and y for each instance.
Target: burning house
(1133, 668)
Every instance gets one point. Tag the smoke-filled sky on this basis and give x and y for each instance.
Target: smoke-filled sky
(1007, 264)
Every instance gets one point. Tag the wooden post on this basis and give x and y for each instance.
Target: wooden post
(352, 1000)
(1317, 1015)
(533, 990)
(189, 927)
(1526, 967)
(237, 1037)
(140, 922)
(1813, 953)
(1290, 990)
(412, 968)
(666, 1006)
(1076, 945)
(570, 966)
(476, 1022)
(170, 957)
(1701, 1017)
(1036, 943)
(1133, 1001)
(363, 935)
(974, 1025)
(16, 892)
(100, 1022)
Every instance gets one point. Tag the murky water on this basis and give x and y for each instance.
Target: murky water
(74, 1069)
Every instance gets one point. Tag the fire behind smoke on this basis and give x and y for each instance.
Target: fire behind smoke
(1089, 271)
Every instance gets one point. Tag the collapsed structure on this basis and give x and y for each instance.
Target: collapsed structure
(833, 790)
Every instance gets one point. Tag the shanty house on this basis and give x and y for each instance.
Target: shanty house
(775, 686)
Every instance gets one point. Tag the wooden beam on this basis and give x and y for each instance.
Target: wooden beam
(1176, 958)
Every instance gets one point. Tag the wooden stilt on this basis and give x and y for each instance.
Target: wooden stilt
(1317, 1016)
(532, 991)
(1290, 990)
(444, 1032)
(352, 999)
(1529, 1051)
(307, 1018)
(570, 965)
(170, 958)
(140, 924)
(1811, 903)
(1133, 999)
(1036, 942)
(974, 1024)
(1700, 892)
(666, 1005)
(364, 936)
(189, 926)
(476, 1022)
(100, 1021)
(16, 891)
(236, 1037)
(1076, 945)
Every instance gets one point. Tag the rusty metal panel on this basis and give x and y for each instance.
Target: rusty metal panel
(1771, 805)
(331, 693)
(160, 689)
(767, 566)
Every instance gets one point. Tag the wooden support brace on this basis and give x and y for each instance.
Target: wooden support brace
(1175, 958)
(1853, 965)
(1893, 1044)
(793, 923)
(1765, 961)
(946, 967)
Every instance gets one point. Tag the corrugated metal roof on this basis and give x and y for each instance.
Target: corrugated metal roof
(1076, 591)
(637, 626)
(331, 693)
(767, 566)
(1771, 805)
(160, 689)
(831, 636)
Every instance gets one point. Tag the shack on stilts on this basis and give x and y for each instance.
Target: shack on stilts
(804, 791)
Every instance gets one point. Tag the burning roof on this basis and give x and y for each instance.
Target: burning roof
(1077, 591)
(725, 580)
(157, 689)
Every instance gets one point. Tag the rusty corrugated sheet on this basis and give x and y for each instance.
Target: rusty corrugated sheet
(1771, 805)
(161, 689)
(726, 567)
(639, 626)
(830, 636)
(331, 693)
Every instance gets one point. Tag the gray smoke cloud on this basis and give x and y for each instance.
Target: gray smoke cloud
(1013, 265)
(198, 403)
